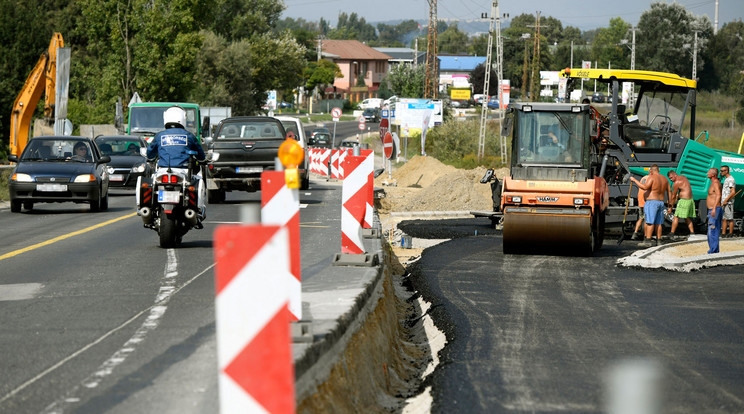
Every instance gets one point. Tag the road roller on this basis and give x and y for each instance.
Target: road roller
(552, 201)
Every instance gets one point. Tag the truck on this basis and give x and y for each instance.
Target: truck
(146, 119)
(554, 196)
(247, 146)
(42, 79)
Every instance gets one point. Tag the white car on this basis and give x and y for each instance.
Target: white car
(294, 125)
(371, 103)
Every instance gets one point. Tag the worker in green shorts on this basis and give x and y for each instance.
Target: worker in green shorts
(682, 194)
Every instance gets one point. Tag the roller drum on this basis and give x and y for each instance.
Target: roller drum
(547, 231)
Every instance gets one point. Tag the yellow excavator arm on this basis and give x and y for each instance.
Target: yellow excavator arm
(42, 78)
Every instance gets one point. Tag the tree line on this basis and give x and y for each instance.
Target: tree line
(231, 52)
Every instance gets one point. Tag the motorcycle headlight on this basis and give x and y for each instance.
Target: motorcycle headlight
(139, 168)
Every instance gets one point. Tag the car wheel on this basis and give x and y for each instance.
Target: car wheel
(95, 205)
(213, 196)
(15, 206)
(104, 203)
(28, 205)
(305, 183)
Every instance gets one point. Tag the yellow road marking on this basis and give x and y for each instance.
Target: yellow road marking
(64, 236)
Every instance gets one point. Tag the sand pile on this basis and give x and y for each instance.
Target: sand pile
(425, 184)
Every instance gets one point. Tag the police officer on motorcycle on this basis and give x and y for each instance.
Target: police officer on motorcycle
(173, 146)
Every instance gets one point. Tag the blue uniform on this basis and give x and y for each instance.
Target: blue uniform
(172, 146)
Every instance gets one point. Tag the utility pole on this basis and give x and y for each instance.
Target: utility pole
(535, 81)
(415, 53)
(432, 80)
(632, 49)
(486, 84)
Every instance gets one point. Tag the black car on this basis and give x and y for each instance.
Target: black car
(598, 97)
(371, 115)
(56, 169)
(127, 163)
(322, 140)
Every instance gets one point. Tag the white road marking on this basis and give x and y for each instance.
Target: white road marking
(19, 291)
(156, 311)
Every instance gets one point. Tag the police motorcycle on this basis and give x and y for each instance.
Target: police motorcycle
(169, 201)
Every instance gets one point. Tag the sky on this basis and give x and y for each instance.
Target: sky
(583, 14)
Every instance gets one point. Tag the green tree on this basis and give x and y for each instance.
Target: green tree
(724, 59)
(352, 27)
(24, 37)
(478, 79)
(665, 39)
(406, 80)
(323, 72)
(607, 48)
(239, 73)
(453, 41)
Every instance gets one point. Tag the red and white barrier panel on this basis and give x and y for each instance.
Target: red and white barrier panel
(337, 163)
(280, 206)
(354, 202)
(319, 160)
(253, 333)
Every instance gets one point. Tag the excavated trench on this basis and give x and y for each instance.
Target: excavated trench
(384, 365)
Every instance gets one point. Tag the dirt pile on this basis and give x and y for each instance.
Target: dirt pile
(426, 184)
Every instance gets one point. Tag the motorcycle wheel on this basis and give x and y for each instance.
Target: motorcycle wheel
(168, 231)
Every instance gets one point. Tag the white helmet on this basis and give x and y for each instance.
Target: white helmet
(174, 116)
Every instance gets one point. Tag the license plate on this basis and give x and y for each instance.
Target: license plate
(51, 187)
(169, 196)
(116, 177)
(249, 170)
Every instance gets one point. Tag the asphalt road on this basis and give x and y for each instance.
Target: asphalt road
(542, 333)
(97, 318)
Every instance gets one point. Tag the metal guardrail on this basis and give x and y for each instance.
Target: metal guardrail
(5, 166)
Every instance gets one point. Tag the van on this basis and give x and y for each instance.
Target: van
(371, 103)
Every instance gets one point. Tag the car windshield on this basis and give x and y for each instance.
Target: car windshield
(76, 150)
(551, 137)
(119, 146)
(250, 129)
(150, 119)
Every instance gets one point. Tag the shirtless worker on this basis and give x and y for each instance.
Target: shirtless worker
(641, 216)
(682, 194)
(715, 212)
(657, 188)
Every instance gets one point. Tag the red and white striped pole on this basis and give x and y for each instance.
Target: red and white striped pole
(280, 205)
(354, 202)
(253, 333)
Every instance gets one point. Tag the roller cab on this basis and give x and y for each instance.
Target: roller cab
(551, 200)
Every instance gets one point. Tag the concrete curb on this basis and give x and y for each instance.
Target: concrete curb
(429, 214)
(661, 257)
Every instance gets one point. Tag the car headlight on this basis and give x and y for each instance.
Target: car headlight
(85, 178)
(139, 168)
(21, 178)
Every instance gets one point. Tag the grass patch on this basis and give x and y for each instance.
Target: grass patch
(4, 177)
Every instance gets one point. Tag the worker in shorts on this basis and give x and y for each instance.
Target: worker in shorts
(682, 195)
(715, 213)
(727, 201)
(637, 234)
(658, 191)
